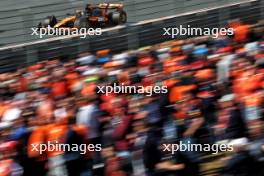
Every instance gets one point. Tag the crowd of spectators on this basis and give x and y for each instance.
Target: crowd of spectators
(215, 95)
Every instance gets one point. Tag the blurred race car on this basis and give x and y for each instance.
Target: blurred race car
(100, 15)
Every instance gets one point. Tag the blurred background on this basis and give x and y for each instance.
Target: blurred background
(49, 92)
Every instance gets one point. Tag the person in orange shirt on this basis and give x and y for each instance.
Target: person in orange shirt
(247, 82)
(71, 78)
(178, 93)
(174, 64)
(56, 135)
(59, 88)
(37, 137)
(241, 31)
(88, 89)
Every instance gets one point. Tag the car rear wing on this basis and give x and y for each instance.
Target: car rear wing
(110, 6)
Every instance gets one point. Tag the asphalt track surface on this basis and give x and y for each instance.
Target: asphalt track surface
(17, 17)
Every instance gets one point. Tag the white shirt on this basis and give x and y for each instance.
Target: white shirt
(85, 117)
(11, 114)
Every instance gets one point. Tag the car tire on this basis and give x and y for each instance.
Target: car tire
(49, 21)
(118, 17)
(123, 17)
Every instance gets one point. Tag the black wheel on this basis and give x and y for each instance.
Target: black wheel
(81, 22)
(123, 17)
(118, 17)
(49, 21)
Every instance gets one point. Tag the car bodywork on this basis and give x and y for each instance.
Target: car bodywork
(103, 14)
(66, 22)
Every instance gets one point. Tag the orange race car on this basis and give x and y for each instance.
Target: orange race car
(100, 15)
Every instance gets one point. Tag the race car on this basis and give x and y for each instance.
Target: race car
(100, 15)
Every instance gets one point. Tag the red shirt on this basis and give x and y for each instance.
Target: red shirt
(59, 89)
